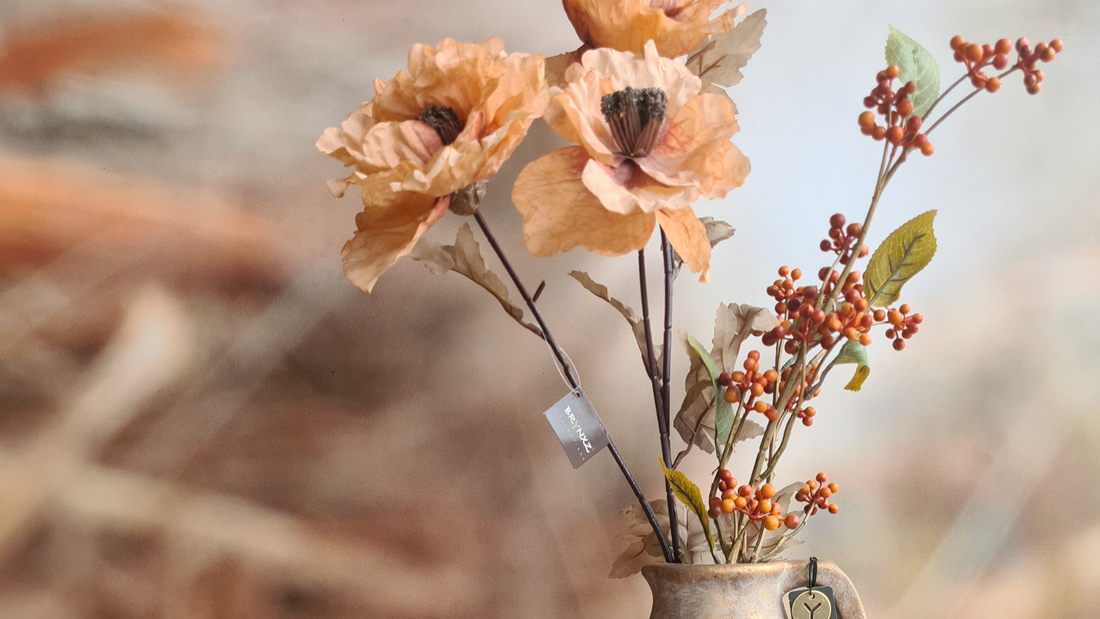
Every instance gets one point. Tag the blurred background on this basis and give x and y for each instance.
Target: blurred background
(199, 417)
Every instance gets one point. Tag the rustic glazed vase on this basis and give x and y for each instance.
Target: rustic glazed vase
(750, 591)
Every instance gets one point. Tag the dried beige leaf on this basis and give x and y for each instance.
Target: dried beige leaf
(636, 324)
(719, 60)
(717, 231)
(464, 258)
(732, 325)
(644, 548)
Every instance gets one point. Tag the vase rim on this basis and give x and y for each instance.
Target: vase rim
(722, 571)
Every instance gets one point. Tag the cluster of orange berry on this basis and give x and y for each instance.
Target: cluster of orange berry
(807, 416)
(753, 382)
(902, 325)
(756, 504)
(976, 57)
(902, 126)
(841, 238)
(815, 494)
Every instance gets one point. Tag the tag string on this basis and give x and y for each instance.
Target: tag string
(811, 574)
(575, 383)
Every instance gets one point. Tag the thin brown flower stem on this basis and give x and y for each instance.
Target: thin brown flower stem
(572, 380)
(658, 404)
(962, 101)
(944, 94)
(666, 372)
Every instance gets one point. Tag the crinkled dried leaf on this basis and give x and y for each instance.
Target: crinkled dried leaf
(434, 256)
(719, 60)
(717, 231)
(636, 324)
(915, 65)
(733, 324)
(643, 547)
(902, 255)
(465, 259)
(689, 495)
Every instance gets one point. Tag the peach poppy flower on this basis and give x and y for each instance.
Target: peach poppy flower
(676, 26)
(650, 144)
(447, 123)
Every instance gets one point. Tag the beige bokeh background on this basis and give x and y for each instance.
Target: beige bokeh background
(200, 418)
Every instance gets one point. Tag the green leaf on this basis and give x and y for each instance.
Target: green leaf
(915, 65)
(852, 352)
(857, 380)
(689, 495)
(723, 412)
(902, 255)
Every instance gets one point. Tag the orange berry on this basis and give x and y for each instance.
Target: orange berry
(993, 84)
(1003, 46)
(834, 487)
(810, 411)
(771, 523)
(812, 484)
(1033, 89)
(894, 134)
(760, 406)
(905, 107)
(834, 508)
(977, 82)
(764, 506)
(767, 491)
(728, 507)
(895, 317)
(865, 339)
(904, 309)
(725, 475)
(796, 274)
(1056, 45)
(732, 395)
(729, 493)
(822, 477)
(899, 344)
(927, 150)
(770, 376)
(973, 52)
(757, 390)
(737, 377)
(825, 493)
(792, 521)
(745, 491)
(892, 71)
(880, 315)
(851, 333)
(879, 132)
(740, 502)
(957, 41)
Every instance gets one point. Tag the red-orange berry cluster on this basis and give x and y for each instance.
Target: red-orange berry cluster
(1028, 58)
(756, 504)
(804, 385)
(902, 325)
(841, 239)
(815, 494)
(902, 127)
(753, 382)
(977, 57)
(807, 416)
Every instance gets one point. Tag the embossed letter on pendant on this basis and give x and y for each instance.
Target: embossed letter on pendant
(806, 603)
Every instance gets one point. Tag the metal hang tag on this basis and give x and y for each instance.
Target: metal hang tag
(811, 602)
(578, 427)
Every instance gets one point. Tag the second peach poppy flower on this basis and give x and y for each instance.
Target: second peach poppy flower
(649, 145)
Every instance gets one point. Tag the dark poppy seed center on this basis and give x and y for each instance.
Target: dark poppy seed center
(635, 117)
(443, 119)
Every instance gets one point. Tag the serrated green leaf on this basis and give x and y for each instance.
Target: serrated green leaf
(853, 352)
(902, 255)
(689, 495)
(861, 374)
(723, 412)
(915, 65)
